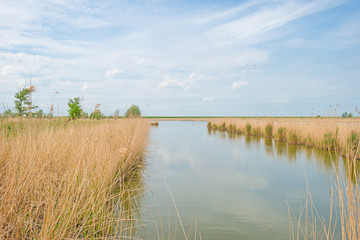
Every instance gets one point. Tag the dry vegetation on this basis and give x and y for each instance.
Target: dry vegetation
(63, 180)
(323, 133)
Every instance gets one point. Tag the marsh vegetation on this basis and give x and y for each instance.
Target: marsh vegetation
(64, 180)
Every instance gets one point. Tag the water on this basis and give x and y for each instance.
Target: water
(227, 186)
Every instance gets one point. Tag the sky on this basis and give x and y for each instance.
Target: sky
(182, 57)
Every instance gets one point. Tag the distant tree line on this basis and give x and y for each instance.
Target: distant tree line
(24, 107)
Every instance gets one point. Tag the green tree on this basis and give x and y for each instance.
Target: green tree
(96, 114)
(346, 115)
(133, 111)
(74, 108)
(23, 104)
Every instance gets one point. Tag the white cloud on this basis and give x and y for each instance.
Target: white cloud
(266, 19)
(113, 73)
(239, 84)
(169, 82)
(172, 82)
(87, 85)
(207, 99)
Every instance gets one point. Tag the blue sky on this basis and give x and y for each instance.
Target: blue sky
(233, 58)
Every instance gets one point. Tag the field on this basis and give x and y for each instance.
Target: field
(67, 180)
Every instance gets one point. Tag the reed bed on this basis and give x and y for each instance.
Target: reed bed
(63, 180)
(324, 133)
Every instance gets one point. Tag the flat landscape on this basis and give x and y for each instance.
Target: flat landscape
(179, 120)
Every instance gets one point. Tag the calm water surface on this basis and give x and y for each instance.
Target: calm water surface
(228, 186)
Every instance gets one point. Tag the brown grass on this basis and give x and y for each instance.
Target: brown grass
(65, 181)
(309, 224)
(306, 129)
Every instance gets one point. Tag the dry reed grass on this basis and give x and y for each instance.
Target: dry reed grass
(65, 181)
(309, 224)
(308, 130)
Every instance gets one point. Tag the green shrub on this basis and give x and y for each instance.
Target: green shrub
(133, 111)
(309, 141)
(248, 129)
(280, 135)
(293, 138)
(74, 108)
(209, 125)
(268, 131)
(231, 128)
(352, 147)
(256, 131)
(222, 127)
(96, 115)
(214, 127)
(330, 141)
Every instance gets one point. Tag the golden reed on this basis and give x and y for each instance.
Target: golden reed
(63, 180)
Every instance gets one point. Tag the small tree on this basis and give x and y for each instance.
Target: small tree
(133, 111)
(96, 114)
(23, 104)
(346, 115)
(39, 114)
(116, 114)
(74, 108)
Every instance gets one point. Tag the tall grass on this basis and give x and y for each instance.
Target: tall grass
(63, 180)
(309, 224)
(323, 133)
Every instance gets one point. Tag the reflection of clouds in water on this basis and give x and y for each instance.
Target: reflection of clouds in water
(239, 155)
(248, 208)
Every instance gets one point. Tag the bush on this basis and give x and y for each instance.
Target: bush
(96, 114)
(268, 131)
(231, 128)
(133, 111)
(256, 131)
(222, 127)
(281, 135)
(329, 141)
(74, 108)
(293, 138)
(248, 129)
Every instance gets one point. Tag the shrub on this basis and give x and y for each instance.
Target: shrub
(329, 141)
(214, 127)
(96, 114)
(293, 138)
(231, 128)
(222, 127)
(352, 148)
(248, 129)
(281, 135)
(133, 111)
(256, 131)
(74, 108)
(268, 131)
(23, 104)
(209, 125)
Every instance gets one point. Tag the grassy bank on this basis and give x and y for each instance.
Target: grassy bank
(63, 180)
(323, 133)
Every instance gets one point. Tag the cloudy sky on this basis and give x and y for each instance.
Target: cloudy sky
(184, 57)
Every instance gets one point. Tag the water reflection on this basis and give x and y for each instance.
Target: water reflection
(325, 160)
(235, 186)
(130, 203)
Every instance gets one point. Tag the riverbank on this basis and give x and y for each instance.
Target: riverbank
(323, 133)
(63, 180)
